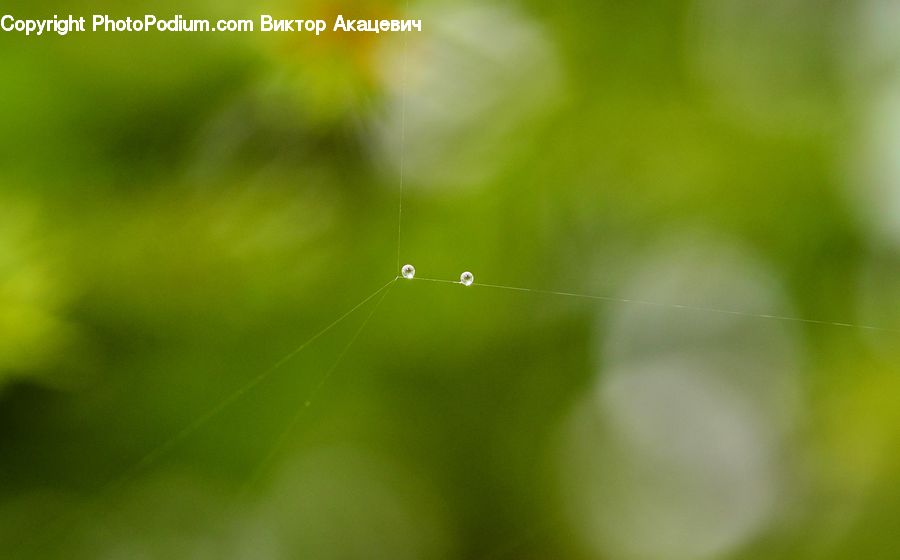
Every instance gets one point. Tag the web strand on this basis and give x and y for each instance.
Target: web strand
(402, 142)
(282, 438)
(673, 306)
(198, 423)
(161, 449)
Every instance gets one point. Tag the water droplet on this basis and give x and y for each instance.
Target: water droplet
(408, 271)
(466, 278)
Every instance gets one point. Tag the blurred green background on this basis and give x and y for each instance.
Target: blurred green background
(179, 212)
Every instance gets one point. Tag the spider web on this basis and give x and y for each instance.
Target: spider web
(369, 306)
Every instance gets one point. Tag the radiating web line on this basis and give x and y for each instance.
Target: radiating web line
(673, 306)
(162, 448)
(282, 438)
(330, 372)
(402, 142)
